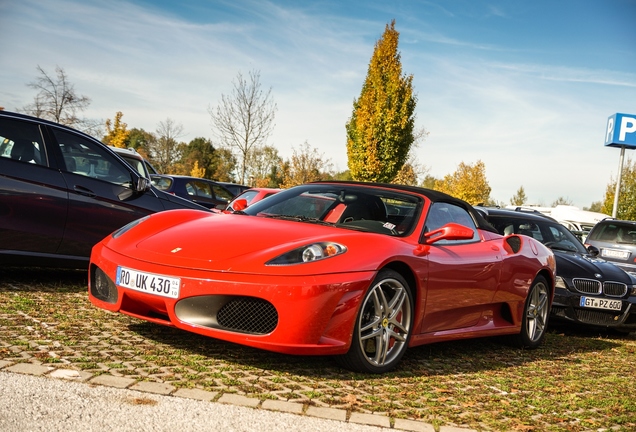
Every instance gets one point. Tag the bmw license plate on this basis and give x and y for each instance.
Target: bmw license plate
(615, 253)
(150, 283)
(598, 303)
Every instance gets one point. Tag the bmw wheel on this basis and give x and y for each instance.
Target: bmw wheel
(383, 325)
(534, 322)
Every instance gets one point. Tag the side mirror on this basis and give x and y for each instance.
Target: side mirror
(142, 185)
(593, 250)
(239, 204)
(450, 231)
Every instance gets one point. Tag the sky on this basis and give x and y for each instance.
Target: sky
(526, 87)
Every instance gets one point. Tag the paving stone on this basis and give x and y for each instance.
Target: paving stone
(277, 405)
(412, 425)
(195, 394)
(112, 381)
(234, 399)
(455, 429)
(4, 363)
(327, 413)
(71, 374)
(29, 369)
(153, 387)
(370, 419)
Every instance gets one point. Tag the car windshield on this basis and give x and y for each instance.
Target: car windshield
(614, 232)
(346, 206)
(551, 234)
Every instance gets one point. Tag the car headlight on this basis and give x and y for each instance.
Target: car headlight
(309, 253)
(128, 226)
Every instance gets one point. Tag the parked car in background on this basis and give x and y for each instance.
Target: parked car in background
(62, 191)
(355, 270)
(134, 159)
(589, 290)
(235, 188)
(615, 240)
(202, 191)
(249, 197)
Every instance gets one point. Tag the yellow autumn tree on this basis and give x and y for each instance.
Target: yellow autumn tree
(380, 130)
(196, 171)
(468, 182)
(627, 194)
(116, 132)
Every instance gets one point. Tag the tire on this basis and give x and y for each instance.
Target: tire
(385, 320)
(536, 311)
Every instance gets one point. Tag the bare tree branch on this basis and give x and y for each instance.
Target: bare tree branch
(245, 119)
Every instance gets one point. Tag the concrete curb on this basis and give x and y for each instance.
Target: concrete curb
(302, 409)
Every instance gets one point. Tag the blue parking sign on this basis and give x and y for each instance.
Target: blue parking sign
(621, 131)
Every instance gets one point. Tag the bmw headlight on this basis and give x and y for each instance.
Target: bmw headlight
(309, 253)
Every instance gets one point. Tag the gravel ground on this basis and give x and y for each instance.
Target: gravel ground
(29, 403)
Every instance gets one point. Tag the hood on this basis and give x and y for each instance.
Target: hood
(243, 244)
(574, 265)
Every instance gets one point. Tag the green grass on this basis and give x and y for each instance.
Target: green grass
(578, 380)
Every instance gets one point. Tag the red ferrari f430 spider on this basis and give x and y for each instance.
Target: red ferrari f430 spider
(360, 271)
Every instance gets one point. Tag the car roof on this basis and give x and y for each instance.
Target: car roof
(519, 212)
(127, 151)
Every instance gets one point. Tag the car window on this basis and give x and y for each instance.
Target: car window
(21, 141)
(161, 183)
(90, 159)
(198, 188)
(222, 193)
(442, 213)
(614, 232)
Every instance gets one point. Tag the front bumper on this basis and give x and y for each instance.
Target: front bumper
(304, 315)
(567, 307)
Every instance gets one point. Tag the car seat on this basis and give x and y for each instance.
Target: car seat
(365, 207)
(22, 150)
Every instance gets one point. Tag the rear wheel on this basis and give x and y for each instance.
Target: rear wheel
(535, 314)
(383, 325)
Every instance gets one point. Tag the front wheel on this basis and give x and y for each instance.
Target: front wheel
(534, 322)
(383, 325)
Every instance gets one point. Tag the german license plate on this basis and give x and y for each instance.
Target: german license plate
(599, 303)
(614, 253)
(150, 283)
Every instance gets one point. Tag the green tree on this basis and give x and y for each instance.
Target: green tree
(116, 132)
(626, 196)
(142, 142)
(519, 198)
(562, 201)
(202, 152)
(380, 130)
(468, 182)
(264, 167)
(596, 206)
(224, 165)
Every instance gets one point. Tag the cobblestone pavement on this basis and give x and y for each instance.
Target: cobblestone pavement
(48, 327)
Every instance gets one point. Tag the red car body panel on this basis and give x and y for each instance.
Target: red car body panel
(459, 291)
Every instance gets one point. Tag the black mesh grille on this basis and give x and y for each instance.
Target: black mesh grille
(248, 315)
(594, 317)
(587, 286)
(615, 289)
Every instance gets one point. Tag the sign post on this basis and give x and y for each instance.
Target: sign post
(620, 132)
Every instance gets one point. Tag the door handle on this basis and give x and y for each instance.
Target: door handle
(83, 191)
